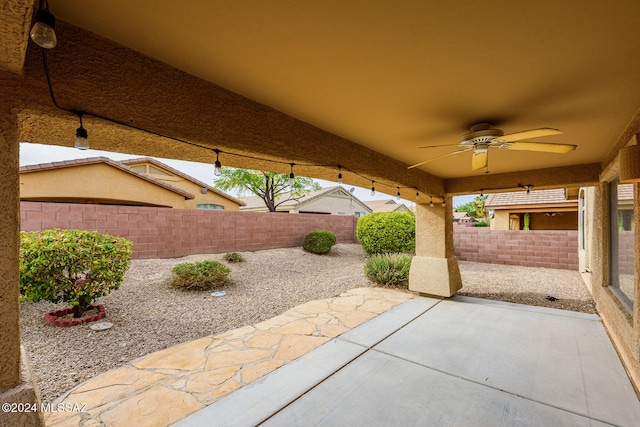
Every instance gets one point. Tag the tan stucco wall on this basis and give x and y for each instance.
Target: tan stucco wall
(193, 188)
(623, 326)
(16, 381)
(9, 255)
(500, 220)
(95, 183)
(565, 219)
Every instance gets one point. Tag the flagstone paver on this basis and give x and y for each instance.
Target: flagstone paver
(165, 386)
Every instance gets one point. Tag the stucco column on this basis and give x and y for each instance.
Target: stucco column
(434, 269)
(16, 383)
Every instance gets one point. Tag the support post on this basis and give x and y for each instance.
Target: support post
(16, 382)
(434, 269)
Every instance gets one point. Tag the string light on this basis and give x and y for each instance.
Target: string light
(44, 16)
(292, 177)
(444, 203)
(431, 201)
(398, 195)
(217, 167)
(82, 136)
(43, 31)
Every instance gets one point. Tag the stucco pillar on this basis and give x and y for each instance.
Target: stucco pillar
(434, 269)
(16, 384)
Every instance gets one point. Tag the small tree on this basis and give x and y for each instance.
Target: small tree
(268, 186)
(73, 266)
(476, 208)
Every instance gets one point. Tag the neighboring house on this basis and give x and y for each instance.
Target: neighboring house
(100, 180)
(387, 205)
(541, 209)
(461, 217)
(205, 196)
(331, 200)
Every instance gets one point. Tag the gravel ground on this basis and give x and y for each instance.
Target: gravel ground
(149, 315)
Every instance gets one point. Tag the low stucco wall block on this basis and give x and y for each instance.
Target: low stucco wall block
(435, 276)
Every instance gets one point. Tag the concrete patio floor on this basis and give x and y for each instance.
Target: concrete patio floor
(376, 357)
(457, 362)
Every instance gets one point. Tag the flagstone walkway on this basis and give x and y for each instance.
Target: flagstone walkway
(165, 386)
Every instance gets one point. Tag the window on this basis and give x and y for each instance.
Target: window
(210, 206)
(621, 248)
(582, 219)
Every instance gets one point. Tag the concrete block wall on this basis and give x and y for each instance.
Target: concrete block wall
(169, 233)
(534, 248)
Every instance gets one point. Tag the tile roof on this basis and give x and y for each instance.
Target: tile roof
(535, 197)
(107, 161)
(386, 205)
(181, 174)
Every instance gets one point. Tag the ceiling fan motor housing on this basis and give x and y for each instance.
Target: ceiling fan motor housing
(480, 134)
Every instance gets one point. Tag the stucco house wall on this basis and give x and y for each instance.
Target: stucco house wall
(96, 182)
(622, 322)
(138, 182)
(204, 194)
(331, 200)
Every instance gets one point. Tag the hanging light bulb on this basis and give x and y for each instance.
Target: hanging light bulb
(82, 136)
(444, 203)
(398, 195)
(339, 174)
(373, 188)
(417, 195)
(292, 177)
(431, 202)
(217, 166)
(43, 31)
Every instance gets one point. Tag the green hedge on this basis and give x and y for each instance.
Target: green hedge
(319, 242)
(74, 266)
(387, 232)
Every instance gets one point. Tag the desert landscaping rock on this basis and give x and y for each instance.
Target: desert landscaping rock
(149, 315)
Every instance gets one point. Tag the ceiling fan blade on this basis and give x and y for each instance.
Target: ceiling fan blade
(438, 157)
(436, 146)
(527, 134)
(544, 147)
(479, 160)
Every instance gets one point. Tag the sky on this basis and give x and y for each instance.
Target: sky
(31, 154)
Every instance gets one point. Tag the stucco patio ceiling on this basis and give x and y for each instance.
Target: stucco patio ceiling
(396, 75)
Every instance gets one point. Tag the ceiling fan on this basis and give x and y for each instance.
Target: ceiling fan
(483, 136)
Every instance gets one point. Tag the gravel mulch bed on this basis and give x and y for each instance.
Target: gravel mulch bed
(149, 315)
(545, 287)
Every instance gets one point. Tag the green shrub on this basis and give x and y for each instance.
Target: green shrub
(319, 242)
(388, 269)
(387, 232)
(199, 275)
(481, 224)
(233, 257)
(73, 266)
